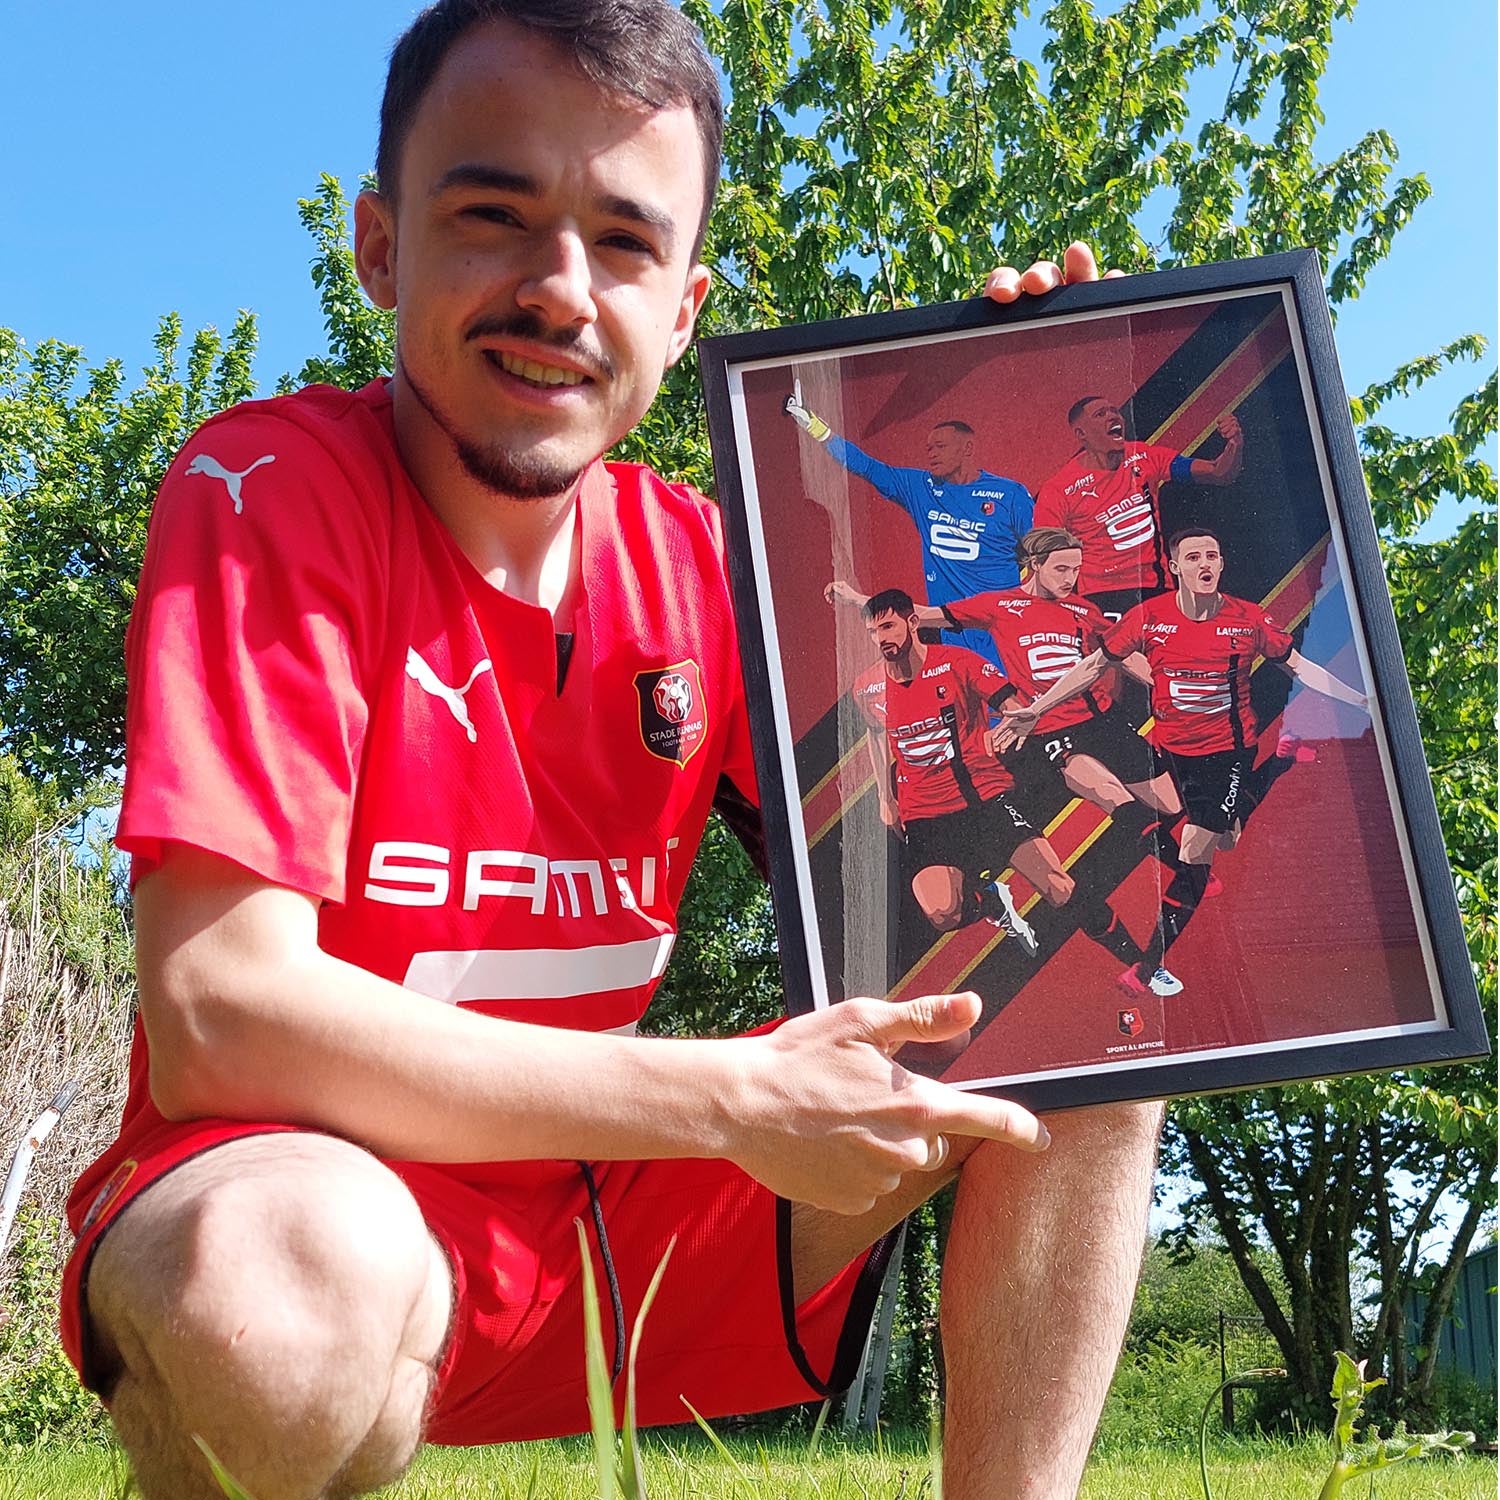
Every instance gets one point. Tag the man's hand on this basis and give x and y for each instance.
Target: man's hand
(810, 422)
(1005, 283)
(1227, 465)
(890, 815)
(839, 592)
(1016, 723)
(828, 1118)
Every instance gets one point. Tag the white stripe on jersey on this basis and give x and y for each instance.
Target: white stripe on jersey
(928, 747)
(537, 973)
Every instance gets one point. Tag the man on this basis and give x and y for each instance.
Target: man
(940, 787)
(417, 724)
(946, 773)
(969, 520)
(1109, 496)
(1202, 646)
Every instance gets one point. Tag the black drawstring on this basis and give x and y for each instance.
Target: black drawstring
(616, 1305)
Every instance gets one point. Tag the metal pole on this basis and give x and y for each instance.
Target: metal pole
(20, 1164)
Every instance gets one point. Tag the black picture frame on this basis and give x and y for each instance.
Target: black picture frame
(1289, 976)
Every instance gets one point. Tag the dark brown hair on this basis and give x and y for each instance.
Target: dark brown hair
(642, 49)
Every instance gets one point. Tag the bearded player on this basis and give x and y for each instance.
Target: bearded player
(1041, 630)
(1108, 496)
(969, 519)
(926, 708)
(1202, 646)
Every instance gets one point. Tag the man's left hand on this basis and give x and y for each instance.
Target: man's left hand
(1005, 283)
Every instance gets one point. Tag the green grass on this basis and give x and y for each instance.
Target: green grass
(682, 1466)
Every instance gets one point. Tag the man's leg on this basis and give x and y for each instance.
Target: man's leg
(1041, 1268)
(281, 1298)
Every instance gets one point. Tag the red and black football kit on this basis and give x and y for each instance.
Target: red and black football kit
(1116, 515)
(1200, 694)
(325, 691)
(1040, 641)
(951, 792)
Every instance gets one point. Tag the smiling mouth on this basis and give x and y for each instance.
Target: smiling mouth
(533, 373)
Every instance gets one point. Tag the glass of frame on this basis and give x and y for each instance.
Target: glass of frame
(1209, 858)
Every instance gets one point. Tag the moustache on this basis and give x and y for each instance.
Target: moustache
(531, 329)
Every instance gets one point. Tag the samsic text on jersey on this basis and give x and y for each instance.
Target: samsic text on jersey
(1040, 641)
(1116, 514)
(1200, 669)
(935, 725)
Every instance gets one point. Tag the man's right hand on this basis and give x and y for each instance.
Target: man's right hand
(810, 422)
(1017, 720)
(890, 815)
(825, 1115)
(839, 592)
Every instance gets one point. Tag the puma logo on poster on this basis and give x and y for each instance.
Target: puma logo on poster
(206, 463)
(428, 680)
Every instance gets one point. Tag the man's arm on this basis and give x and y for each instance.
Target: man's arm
(880, 762)
(249, 1018)
(1022, 718)
(1321, 680)
(1226, 467)
(904, 486)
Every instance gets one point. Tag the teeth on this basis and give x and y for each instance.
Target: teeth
(534, 374)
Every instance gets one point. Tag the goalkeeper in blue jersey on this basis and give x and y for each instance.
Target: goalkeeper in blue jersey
(969, 519)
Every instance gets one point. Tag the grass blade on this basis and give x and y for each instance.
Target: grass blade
(630, 1456)
(601, 1399)
(225, 1480)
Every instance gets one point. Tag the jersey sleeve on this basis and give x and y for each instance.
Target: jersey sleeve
(907, 487)
(1271, 640)
(974, 613)
(258, 607)
(1095, 626)
(1049, 509)
(1125, 635)
(1161, 463)
(1022, 512)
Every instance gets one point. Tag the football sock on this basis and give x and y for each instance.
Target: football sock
(1101, 922)
(1178, 903)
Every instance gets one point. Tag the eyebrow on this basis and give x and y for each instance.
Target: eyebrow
(502, 180)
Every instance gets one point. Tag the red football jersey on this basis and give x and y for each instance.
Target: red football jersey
(1200, 669)
(935, 725)
(326, 691)
(1115, 514)
(1041, 640)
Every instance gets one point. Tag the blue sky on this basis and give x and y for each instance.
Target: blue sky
(158, 151)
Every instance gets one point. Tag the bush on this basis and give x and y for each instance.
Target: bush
(40, 1397)
(1158, 1395)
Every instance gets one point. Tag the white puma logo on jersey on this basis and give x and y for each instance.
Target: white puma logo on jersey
(428, 680)
(206, 463)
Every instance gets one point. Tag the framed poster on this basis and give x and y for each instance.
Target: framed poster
(1209, 857)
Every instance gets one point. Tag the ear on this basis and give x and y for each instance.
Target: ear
(375, 247)
(694, 295)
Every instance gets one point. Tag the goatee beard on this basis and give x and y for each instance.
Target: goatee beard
(507, 474)
(515, 476)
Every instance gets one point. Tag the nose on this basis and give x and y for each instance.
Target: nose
(558, 282)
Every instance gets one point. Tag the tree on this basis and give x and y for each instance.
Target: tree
(80, 462)
(880, 154)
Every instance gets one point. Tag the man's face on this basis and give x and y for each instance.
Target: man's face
(891, 633)
(1100, 427)
(1198, 563)
(948, 452)
(540, 258)
(1057, 573)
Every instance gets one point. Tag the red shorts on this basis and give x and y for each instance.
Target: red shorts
(722, 1333)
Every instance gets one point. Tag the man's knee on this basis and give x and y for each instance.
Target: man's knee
(277, 1285)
